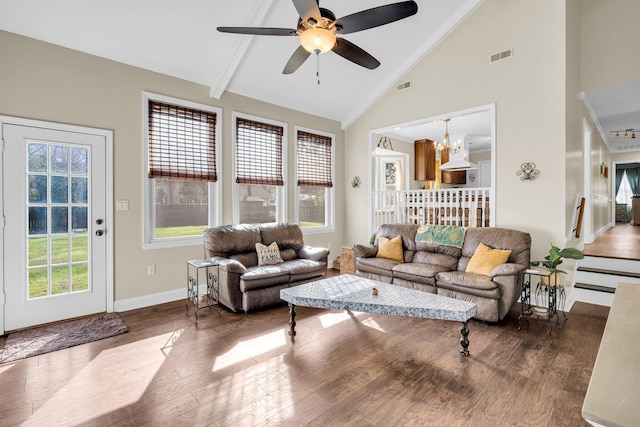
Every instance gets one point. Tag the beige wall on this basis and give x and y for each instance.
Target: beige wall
(529, 93)
(610, 37)
(45, 82)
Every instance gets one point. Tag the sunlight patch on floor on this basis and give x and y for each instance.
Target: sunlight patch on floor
(250, 348)
(90, 394)
(331, 319)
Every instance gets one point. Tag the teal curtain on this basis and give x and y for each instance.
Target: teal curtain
(619, 175)
(633, 175)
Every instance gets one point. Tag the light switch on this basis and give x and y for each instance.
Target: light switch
(122, 205)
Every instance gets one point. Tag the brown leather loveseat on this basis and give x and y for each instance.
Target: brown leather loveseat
(245, 285)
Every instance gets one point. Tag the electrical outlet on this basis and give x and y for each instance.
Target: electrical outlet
(151, 270)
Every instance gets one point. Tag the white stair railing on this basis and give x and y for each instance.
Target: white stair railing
(461, 207)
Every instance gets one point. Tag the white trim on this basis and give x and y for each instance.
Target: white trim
(148, 185)
(281, 191)
(109, 216)
(330, 193)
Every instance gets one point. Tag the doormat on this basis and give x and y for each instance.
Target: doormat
(45, 339)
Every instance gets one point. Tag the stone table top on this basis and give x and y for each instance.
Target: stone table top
(353, 293)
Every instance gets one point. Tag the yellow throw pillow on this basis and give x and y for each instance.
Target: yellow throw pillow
(390, 248)
(485, 259)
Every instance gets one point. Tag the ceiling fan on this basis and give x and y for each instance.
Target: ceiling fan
(318, 28)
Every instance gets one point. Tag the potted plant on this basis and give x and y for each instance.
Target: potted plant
(554, 259)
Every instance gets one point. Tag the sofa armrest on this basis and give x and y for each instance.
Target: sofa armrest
(364, 251)
(230, 265)
(508, 269)
(312, 253)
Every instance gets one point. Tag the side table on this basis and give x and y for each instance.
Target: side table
(196, 268)
(549, 296)
(347, 263)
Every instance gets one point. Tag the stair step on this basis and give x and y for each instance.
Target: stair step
(597, 288)
(609, 272)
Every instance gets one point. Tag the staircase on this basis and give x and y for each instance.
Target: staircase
(596, 278)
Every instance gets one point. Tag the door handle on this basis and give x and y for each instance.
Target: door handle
(99, 233)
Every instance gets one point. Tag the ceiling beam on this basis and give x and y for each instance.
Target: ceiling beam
(218, 86)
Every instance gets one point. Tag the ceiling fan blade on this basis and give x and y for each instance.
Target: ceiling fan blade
(308, 9)
(353, 53)
(297, 59)
(258, 31)
(375, 17)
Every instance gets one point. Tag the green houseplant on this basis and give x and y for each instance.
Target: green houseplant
(555, 257)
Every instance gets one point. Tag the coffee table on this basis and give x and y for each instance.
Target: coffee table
(354, 293)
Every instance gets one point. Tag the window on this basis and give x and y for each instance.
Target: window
(315, 171)
(259, 170)
(182, 182)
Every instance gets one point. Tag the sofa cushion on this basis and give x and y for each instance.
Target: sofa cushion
(390, 248)
(268, 255)
(417, 272)
(470, 283)
(518, 242)
(380, 266)
(263, 276)
(300, 269)
(227, 240)
(485, 259)
(448, 262)
(288, 236)
(408, 233)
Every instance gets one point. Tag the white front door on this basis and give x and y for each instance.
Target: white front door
(55, 243)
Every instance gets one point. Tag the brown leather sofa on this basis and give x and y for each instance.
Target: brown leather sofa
(441, 269)
(244, 285)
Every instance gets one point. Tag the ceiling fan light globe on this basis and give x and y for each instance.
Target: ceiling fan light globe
(315, 39)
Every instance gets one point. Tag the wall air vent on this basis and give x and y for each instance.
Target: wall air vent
(404, 86)
(506, 54)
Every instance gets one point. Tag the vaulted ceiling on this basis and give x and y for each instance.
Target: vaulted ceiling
(179, 38)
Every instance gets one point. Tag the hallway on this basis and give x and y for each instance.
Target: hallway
(621, 242)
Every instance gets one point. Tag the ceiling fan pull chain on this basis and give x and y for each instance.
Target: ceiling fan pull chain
(318, 65)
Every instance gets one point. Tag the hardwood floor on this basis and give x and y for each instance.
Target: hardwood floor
(621, 241)
(359, 370)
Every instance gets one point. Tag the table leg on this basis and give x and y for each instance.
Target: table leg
(292, 320)
(464, 341)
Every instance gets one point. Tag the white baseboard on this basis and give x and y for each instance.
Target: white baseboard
(155, 299)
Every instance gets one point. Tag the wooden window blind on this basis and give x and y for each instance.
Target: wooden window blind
(181, 143)
(314, 160)
(258, 153)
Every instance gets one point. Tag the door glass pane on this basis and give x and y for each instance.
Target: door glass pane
(59, 255)
(38, 282)
(59, 159)
(182, 208)
(79, 245)
(38, 251)
(78, 190)
(59, 249)
(37, 189)
(59, 189)
(37, 220)
(79, 277)
(79, 219)
(79, 160)
(59, 220)
(37, 157)
(59, 279)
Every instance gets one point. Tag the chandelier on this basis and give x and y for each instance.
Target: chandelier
(445, 145)
(628, 133)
